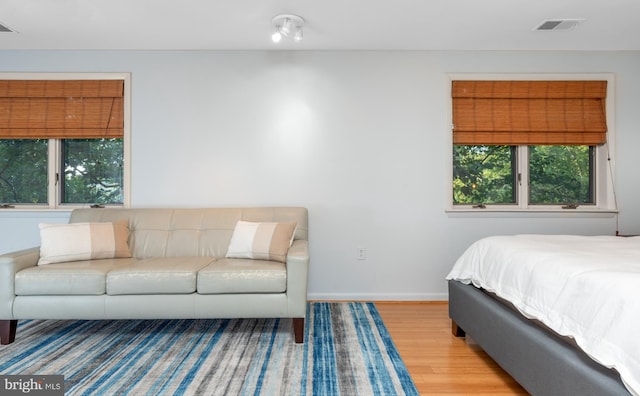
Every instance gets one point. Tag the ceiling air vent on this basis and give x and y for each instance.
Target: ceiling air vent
(559, 24)
(5, 29)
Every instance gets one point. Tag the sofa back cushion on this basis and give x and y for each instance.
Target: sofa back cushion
(160, 232)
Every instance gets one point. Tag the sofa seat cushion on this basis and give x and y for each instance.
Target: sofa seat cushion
(73, 278)
(242, 276)
(159, 275)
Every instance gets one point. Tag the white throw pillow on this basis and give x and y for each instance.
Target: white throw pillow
(262, 241)
(83, 241)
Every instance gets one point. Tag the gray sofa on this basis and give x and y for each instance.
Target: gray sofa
(177, 270)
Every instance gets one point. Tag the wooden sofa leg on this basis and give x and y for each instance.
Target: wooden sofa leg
(298, 330)
(8, 331)
(457, 330)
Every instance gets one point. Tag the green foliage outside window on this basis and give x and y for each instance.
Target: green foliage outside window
(560, 174)
(483, 175)
(23, 171)
(92, 171)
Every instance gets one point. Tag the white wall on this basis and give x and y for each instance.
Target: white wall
(360, 138)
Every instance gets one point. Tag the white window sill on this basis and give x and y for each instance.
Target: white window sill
(45, 209)
(39, 209)
(586, 212)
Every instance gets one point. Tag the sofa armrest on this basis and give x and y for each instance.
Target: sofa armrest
(10, 263)
(297, 277)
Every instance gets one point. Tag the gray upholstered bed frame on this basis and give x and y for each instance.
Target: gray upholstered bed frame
(541, 361)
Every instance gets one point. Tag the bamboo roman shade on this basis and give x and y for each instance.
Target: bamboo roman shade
(529, 112)
(61, 109)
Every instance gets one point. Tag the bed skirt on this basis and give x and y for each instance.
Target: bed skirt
(541, 361)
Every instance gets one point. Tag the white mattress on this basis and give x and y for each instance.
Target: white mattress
(583, 287)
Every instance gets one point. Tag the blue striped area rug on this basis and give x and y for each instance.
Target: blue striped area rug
(347, 351)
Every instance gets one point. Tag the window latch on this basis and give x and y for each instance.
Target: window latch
(570, 206)
(7, 206)
(479, 206)
(97, 206)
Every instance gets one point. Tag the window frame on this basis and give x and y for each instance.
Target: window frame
(54, 146)
(604, 165)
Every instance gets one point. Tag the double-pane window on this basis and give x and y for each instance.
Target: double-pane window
(490, 175)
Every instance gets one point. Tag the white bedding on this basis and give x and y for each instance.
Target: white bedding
(584, 287)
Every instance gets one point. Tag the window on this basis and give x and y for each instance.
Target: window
(529, 144)
(489, 175)
(92, 171)
(63, 141)
(561, 175)
(23, 171)
(484, 175)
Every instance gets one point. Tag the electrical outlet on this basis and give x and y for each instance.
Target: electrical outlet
(361, 253)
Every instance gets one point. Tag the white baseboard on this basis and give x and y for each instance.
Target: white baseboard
(378, 296)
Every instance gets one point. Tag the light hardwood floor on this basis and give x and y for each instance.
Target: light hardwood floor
(439, 363)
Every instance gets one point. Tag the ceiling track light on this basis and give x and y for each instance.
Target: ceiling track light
(287, 25)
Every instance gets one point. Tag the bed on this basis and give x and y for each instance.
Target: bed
(560, 313)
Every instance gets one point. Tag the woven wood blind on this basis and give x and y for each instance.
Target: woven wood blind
(529, 112)
(61, 109)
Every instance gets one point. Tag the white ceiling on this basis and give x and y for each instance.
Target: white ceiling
(330, 24)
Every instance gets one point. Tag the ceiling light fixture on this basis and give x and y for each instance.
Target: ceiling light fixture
(287, 25)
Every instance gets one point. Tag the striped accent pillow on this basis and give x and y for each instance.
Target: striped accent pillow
(262, 241)
(83, 241)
